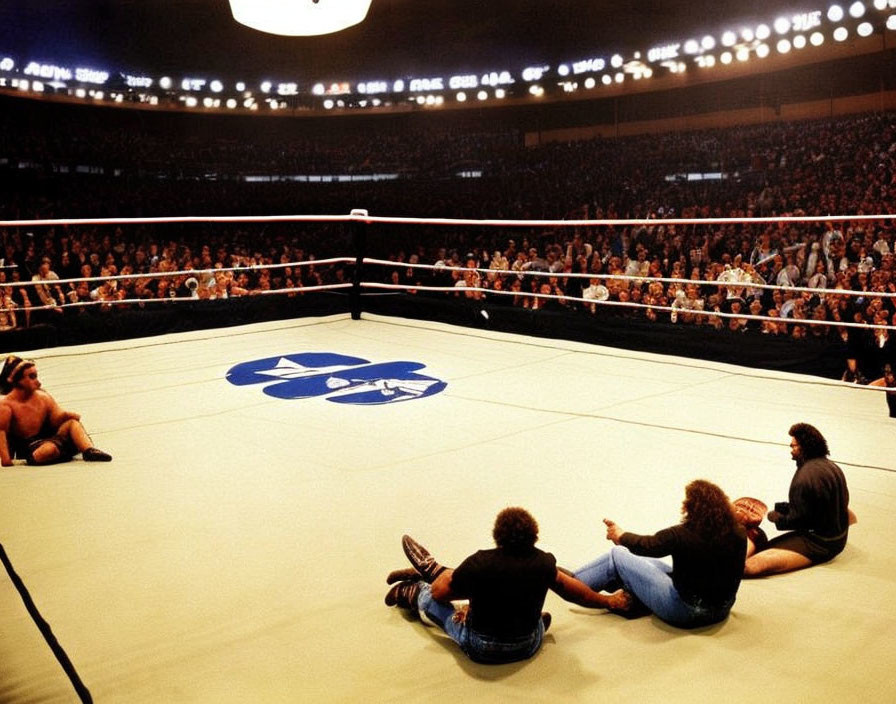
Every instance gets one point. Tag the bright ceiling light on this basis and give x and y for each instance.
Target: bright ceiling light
(841, 34)
(799, 41)
(782, 25)
(729, 38)
(865, 29)
(857, 9)
(817, 39)
(835, 13)
(763, 32)
(299, 17)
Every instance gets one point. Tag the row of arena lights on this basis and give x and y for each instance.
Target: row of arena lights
(785, 34)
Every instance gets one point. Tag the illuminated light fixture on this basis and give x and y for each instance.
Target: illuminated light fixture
(299, 18)
(79, 93)
(482, 95)
(816, 39)
(799, 42)
(783, 46)
(729, 38)
(865, 29)
(891, 22)
(318, 89)
(880, 4)
(762, 51)
(240, 86)
(708, 43)
(430, 100)
(606, 80)
(265, 87)
(231, 103)
(398, 86)
(37, 87)
(857, 9)
(190, 101)
(165, 82)
(747, 34)
(563, 70)
(619, 77)
(328, 105)
(763, 32)
(648, 72)
(216, 86)
(420, 100)
(782, 25)
(691, 46)
(835, 13)
(726, 57)
(742, 54)
(840, 34)
(590, 82)
(461, 97)
(119, 98)
(207, 102)
(500, 93)
(616, 61)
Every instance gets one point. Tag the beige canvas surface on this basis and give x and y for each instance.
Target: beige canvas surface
(235, 550)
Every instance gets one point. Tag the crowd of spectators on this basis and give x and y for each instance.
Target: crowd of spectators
(814, 168)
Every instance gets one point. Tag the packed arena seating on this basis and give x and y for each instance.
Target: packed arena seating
(141, 165)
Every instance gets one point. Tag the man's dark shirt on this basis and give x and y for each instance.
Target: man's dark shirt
(506, 590)
(819, 501)
(704, 571)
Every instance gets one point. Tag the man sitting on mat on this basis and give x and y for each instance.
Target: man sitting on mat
(506, 587)
(33, 426)
(817, 514)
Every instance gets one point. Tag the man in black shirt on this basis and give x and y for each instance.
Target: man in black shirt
(506, 587)
(817, 513)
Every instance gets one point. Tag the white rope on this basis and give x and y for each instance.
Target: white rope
(184, 272)
(373, 219)
(639, 279)
(625, 304)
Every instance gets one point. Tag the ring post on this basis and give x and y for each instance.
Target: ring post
(359, 242)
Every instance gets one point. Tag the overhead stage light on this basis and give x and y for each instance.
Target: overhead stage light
(299, 17)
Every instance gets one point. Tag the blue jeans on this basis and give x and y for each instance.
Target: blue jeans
(650, 580)
(478, 647)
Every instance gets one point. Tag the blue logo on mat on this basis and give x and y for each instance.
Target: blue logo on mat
(339, 378)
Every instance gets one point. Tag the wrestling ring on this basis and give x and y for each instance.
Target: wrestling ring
(236, 548)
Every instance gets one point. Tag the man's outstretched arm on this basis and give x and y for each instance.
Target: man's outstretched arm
(575, 590)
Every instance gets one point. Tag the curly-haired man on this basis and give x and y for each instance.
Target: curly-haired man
(817, 515)
(506, 587)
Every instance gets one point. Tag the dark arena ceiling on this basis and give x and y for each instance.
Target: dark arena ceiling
(399, 37)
